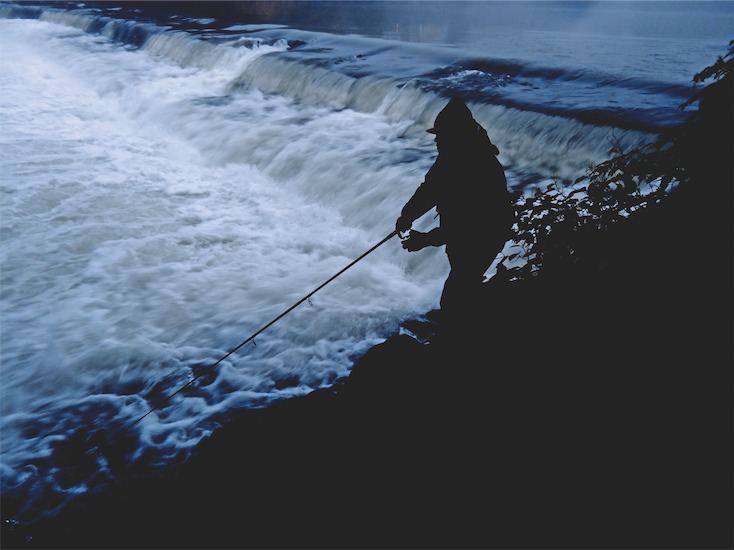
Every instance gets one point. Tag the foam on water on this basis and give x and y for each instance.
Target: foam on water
(151, 222)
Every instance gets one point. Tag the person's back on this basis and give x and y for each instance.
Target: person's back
(473, 200)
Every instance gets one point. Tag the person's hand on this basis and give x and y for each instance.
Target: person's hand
(415, 241)
(403, 224)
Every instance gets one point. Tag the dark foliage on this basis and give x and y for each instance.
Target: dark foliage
(558, 226)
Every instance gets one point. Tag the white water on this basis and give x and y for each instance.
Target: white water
(139, 241)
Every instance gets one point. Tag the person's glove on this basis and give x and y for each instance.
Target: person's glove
(403, 224)
(416, 241)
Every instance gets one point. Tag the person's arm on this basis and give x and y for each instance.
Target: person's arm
(421, 202)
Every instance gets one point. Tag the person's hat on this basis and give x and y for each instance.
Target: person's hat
(454, 118)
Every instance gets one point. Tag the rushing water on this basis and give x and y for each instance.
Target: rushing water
(171, 183)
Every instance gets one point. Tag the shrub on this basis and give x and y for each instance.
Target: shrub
(555, 226)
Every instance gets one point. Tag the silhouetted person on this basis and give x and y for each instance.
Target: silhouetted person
(467, 186)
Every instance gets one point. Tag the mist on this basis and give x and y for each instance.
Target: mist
(462, 22)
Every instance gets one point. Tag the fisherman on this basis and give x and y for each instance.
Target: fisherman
(468, 188)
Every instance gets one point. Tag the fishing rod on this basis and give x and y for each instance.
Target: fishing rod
(265, 327)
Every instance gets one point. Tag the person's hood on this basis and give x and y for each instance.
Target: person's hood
(455, 121)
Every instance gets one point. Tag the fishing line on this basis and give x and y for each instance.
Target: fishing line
(251, 338)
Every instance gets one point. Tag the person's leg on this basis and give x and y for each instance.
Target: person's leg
(464, 282)
(462, 287)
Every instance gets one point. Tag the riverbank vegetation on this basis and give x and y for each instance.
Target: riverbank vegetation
(557, 227)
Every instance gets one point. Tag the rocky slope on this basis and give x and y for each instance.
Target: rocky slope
(591, 408)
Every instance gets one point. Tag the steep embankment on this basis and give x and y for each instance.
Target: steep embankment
(591, 410)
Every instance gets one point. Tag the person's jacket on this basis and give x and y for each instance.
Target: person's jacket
(469, 190)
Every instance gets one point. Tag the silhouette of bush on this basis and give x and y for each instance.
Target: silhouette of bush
(555, 226)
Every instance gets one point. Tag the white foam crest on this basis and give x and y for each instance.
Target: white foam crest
(313, 85)
(551, 145)
(71, 19)
(409, 102)
(192, 52)
(322, 87)
(363, 165)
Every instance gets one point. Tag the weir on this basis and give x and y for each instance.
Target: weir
(563, 141)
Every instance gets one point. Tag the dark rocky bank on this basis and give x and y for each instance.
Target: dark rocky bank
(591, 408)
